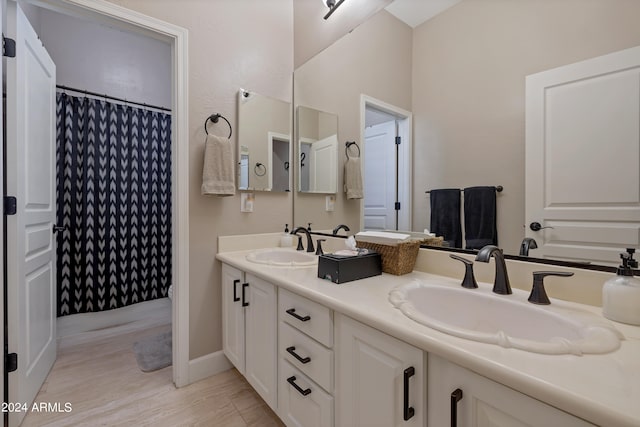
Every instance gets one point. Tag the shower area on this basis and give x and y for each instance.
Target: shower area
(114, 204)
(113, 164)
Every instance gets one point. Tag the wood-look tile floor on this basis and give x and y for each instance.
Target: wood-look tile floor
(98, 375)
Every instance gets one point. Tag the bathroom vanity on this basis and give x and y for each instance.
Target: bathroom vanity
(342, 355)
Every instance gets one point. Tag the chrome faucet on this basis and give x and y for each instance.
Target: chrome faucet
(501, 282)
(310, 247)
(340, 227)
(527, 244)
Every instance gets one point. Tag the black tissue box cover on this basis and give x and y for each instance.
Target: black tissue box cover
(341, 268)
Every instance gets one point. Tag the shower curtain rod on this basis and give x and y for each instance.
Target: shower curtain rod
(101, 95)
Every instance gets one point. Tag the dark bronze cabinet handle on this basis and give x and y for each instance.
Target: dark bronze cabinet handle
(244, 301)
(409, 412)
(292, 312)
(456, 396)
(235, 291)
(292, 381)
(292, 351)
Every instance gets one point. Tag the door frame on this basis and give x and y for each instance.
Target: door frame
(120, 17)
(404, 119)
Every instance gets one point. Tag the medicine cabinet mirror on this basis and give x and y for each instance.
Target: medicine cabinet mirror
(264, 126)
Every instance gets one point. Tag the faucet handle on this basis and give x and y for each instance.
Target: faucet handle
(319, 250)
(469, 280)
(538, 294)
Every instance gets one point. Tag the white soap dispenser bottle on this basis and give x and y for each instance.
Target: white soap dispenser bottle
(621, 294)
(286, 240)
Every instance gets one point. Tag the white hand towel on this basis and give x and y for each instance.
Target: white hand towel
(218, 172)
(353, 178)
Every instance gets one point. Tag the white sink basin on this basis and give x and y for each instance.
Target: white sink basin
(506, 320)
(283, 257)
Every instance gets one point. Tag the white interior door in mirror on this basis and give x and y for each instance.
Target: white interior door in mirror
(317, 151)
(264, 129)
(583, 158)
(322, 164)
(380, 177)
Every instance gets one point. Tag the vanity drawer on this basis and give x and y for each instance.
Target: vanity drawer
(301, 402)
(306, 354)
(311, 318)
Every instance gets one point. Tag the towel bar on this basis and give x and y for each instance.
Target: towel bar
(214, 118)
(498, 188)
(349, 144)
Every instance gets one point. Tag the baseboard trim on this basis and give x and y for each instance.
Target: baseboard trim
(208, 365)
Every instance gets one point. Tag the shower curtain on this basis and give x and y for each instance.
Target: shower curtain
(114, 202)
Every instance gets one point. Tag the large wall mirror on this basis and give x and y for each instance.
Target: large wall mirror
(264, 126)
(318, 151)
(461, 75)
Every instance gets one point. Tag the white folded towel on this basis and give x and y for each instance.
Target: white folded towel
(382, 237)
(218, 171)
(353, 178)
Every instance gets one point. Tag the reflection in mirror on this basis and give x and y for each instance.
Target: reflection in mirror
(318, 151)
(467, 95)
(263, 142)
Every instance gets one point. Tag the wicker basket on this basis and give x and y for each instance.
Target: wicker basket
(401, 258)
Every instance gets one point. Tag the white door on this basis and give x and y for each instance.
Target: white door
(323, 175)
(30, 175)
(380, 177)
(379, 380)
(583, 158)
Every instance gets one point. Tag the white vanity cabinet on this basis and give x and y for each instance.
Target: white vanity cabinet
(380, 381)
(305, 368)
(459, 397)
(249, 332)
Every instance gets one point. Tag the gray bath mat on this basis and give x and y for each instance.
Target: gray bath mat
(153, 352)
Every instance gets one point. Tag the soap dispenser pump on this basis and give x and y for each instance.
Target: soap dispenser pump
(286, 240)
(621, 294)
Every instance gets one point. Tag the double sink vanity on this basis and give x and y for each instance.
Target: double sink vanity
(418, 349)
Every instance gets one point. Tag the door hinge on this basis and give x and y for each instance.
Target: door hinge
(397, 206)
(11, 362)
(10, 205)
(8, 47)
(398, 140)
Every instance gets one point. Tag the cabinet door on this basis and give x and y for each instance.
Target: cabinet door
(380, 380)
(233, 316)
(485, 403)
(261, 339)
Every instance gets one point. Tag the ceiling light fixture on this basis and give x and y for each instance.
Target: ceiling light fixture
(332, 5)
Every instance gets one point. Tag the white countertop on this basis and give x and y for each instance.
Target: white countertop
(602, 389)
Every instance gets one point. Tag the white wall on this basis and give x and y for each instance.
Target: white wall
(100, 59)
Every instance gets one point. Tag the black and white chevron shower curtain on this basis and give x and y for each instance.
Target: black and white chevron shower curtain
(114, 200)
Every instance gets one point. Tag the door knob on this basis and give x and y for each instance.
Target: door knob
(536, 226)
(57, 228)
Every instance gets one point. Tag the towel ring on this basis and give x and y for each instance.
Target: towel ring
(259, 167)
(214, 118)
(349, 144)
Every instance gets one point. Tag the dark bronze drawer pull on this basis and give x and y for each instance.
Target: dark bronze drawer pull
(292, 381)
(292, 312)
(292, 351)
